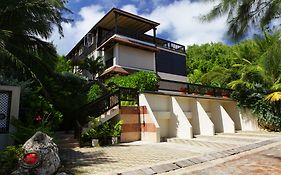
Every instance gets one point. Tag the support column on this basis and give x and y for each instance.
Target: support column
(204, 124)
(222, 121)
(184, 128)
(115, 22)
(154, 35)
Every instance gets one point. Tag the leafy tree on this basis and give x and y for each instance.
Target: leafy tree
(209, 64)
(251, 67)
(244, 14)
(63, 65)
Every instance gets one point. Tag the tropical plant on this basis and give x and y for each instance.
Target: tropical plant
(140, 80)
(259, 85)
(63, 65)
(23, 24)
(210, 64)
(94, 66)
(94, 92)
(9, 158)
(103, 131)
(244, 14)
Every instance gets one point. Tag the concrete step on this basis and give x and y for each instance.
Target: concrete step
(259, 133)
(201, 143)
(221, 139)
(243, 136)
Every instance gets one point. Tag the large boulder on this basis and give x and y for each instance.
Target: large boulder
(40, 147)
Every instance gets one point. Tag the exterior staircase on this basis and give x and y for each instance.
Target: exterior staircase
(109, 114)
(66, 140)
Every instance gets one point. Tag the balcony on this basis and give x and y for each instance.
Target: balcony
(143, 38)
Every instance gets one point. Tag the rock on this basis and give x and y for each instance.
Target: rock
(49, 160)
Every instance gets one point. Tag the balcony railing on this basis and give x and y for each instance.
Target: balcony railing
(144, 38)
(193, 89)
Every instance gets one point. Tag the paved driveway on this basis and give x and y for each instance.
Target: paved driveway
(138, 155)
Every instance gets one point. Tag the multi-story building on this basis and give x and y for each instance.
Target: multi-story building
(120, 38)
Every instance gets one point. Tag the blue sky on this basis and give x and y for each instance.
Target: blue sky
(178, 20)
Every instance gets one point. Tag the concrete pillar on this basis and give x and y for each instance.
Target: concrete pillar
(202, 123)
(150, 127)
(184, 128)
(222, 121)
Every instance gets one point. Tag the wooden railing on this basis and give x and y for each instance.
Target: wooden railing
(104, 104)
(145, 38)
(194, 89)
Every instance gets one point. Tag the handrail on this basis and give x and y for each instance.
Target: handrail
(189, 88)
(107, 102)
(143, 37)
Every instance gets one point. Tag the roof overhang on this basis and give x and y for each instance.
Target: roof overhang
(123, 18)
(131, 21)
(128, 42)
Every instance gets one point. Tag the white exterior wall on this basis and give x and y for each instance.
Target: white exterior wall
(248, 121)
(179, 116)
(243, 119)
(134, 58)
(5, 139)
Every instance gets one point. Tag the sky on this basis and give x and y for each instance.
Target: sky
(179, 20)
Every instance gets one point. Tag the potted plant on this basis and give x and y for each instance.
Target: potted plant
(116, 132)
(209, 92)
(225, 94)
(195, 91)
(183, 90)
(90, 137)
(104, 133)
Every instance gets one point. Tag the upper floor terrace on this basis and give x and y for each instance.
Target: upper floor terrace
(120, 26)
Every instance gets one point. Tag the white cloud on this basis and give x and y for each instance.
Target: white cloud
(73, 32)
(130, 8)
(179, 20)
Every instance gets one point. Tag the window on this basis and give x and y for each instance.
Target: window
(81, 50)
(89, 39)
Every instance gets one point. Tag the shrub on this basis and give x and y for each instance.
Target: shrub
(94, 92)
(9, 158)
(141, 80)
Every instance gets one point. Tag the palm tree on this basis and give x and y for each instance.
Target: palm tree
(23, 26)
(244, 14)
(94, 66)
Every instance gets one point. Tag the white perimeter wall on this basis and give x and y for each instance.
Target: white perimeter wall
(184, 116)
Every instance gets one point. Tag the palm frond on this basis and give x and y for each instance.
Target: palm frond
(273, 97)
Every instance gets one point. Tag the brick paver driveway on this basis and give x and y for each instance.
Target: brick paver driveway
(266, 162)
(133, 156)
